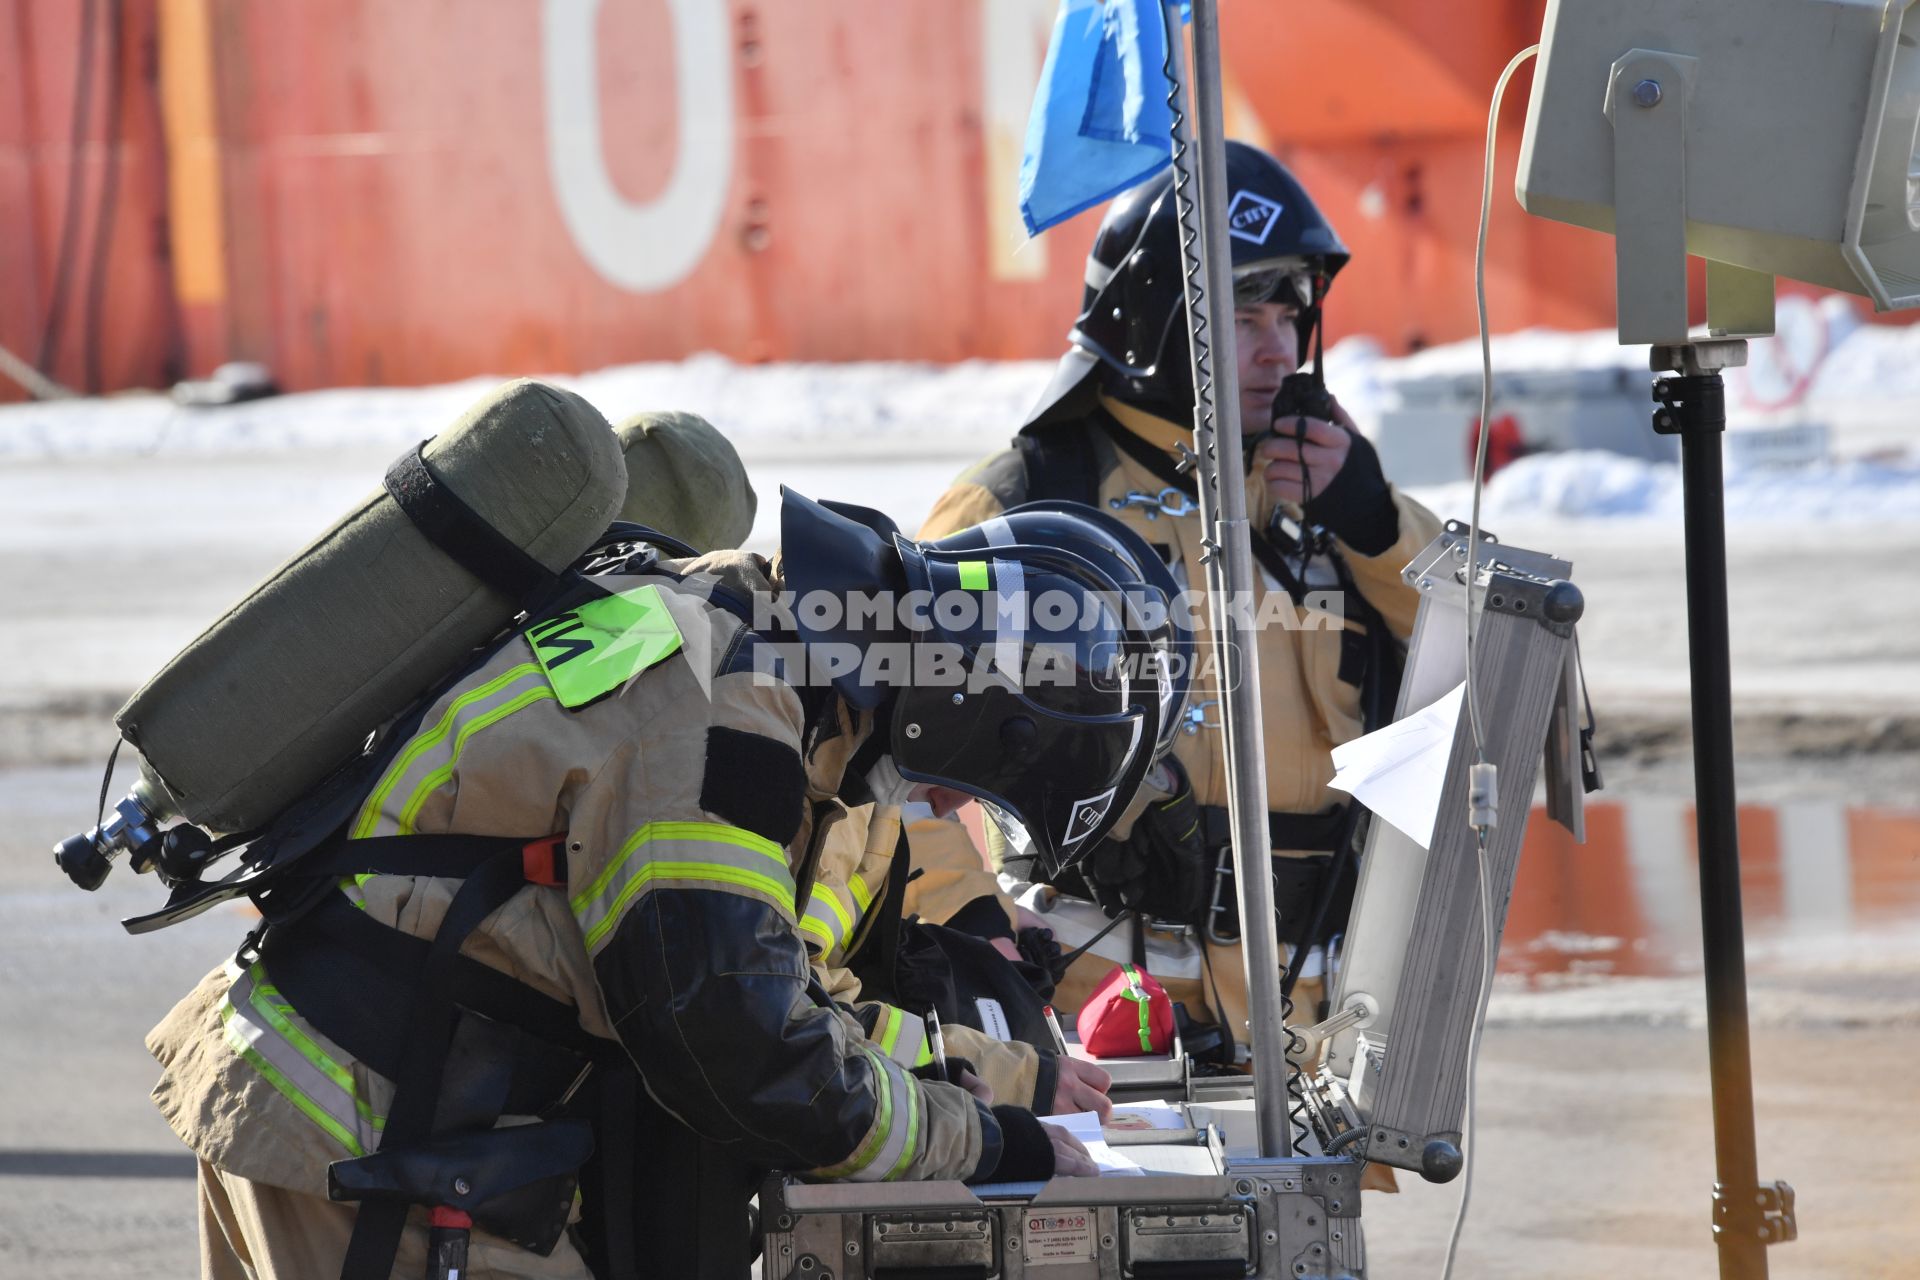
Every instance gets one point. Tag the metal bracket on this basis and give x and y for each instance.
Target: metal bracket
(1647, 105)
(1690, 404)
(1337, 1189)
(1554, 605)
(1704, 355)
(1763, 1213)
(1739, 301)
(1437, 1158)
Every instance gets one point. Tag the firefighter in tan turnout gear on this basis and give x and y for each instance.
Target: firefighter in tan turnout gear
(991, 1002)
(1330, 535)
(559, 922)
(849, 887)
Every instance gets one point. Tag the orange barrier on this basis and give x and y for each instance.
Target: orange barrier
(1627, 901)
(107, 320)
(358, 193)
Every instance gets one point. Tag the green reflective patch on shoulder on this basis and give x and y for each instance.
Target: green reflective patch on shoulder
(589, 651)
(973, 575)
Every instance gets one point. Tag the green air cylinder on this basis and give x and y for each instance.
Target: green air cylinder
(685, 479)
(289, 682)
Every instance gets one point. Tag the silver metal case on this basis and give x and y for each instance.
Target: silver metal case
(1295, 1219)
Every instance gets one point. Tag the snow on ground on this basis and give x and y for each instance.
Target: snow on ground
(769, 409)
(1864, 389)
(1595, 485)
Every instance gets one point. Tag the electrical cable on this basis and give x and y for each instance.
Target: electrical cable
(1345, 1140)
(81, 119)
(1486, 381)
(1473, 1054)
(1487, 957)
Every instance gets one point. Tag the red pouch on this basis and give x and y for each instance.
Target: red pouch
(1128, 1015)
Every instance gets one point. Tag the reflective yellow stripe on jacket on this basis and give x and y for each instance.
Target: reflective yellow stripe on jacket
(832, 915)
(891, 1142)
(427, 762)
(902, 1036)
(687, 855)
(255, 1017)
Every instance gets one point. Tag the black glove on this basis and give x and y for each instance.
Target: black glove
(1026, 1153)
(1039, 953)
(1357, 506)
(1161, 868)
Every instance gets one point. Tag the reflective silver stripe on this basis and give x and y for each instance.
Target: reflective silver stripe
(826, 920)
(834, 914)
(1010, 619)
(299, 1067)
(426, 763)
(863, 896)
(817, 934)
(902, 1036)
(689, 855)
(900, 1114)
(904, 1116)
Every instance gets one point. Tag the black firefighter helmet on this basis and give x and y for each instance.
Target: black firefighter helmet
(1019, 672)
(1155, 608)
(1132, 327)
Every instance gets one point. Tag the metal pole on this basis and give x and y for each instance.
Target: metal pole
(1202, 203)
(1743, 1254)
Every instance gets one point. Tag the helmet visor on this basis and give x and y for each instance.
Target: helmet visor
(1066, 779)
(1018, 701)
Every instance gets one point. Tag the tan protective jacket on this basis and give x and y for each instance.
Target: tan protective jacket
(855, 863)
(682, 777)
(1306, 708)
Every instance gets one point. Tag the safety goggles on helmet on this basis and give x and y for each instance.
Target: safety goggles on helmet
(1289, 283)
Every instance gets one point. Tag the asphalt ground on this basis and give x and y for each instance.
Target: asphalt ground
(1595, 1135)
(1595, 1152)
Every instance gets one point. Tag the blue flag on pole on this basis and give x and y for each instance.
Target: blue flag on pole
(1100, 121)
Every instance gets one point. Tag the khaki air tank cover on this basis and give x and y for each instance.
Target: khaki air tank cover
(684, 479)
(289, 683)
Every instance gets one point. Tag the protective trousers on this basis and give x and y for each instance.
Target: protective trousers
(253, 1231)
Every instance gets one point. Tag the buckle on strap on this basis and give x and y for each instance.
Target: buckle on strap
(544, 861)
(1170, 501)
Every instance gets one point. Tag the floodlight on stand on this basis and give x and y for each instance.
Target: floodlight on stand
(1771, 138)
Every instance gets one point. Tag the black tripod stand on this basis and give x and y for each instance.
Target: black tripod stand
(1747, 1217)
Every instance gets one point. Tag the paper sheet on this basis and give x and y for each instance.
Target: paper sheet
(1085, 1125)
(1400, 771)
(1157, 1114)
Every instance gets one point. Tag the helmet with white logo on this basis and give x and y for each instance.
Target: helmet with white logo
(1123, 555)
(1015, 672)
(1132, 327)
